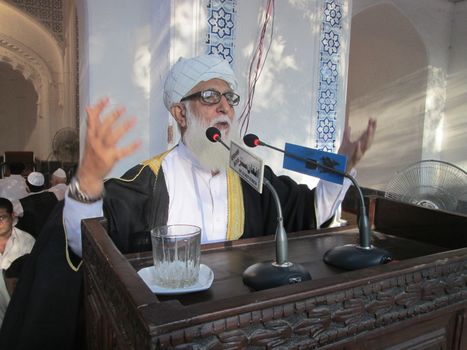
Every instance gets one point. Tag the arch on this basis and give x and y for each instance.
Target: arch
(28, 47)
(388, 77)
(32, 67)
(18, 101)
(384, 47)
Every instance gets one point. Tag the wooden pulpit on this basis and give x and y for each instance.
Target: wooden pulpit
(418, 301)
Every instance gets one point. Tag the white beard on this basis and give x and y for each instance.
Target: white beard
(211, 155)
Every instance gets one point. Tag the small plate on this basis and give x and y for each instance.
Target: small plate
(206, 276)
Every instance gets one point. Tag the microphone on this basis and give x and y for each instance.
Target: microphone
(214, 135)
(251, 140)
(279, 272)
(349, 256)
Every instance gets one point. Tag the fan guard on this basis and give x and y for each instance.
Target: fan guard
(431, 184)
(65, 145)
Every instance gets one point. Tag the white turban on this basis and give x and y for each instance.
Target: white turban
(188, 72)
(59, 173)
(36, 178)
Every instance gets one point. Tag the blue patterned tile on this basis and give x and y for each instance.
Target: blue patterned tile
(333, 14)
(328, 72)
(330, 42)
(221, 28)
(326, 129)
(327, 100)
(222, 51)
(221, 23)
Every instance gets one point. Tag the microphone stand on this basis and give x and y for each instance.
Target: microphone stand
(358, 256)
(349, 256)
(281, 272)
(281, 235)
(269, 274)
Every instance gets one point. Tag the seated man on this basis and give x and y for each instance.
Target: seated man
(45, 309)
(35, 182)
(58, 183)
(36, 209)
(37, 206)
(13, 241)
(192, 182)
(13, 186)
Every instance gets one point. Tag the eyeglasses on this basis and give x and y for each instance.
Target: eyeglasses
(4, 217)
(211, 97)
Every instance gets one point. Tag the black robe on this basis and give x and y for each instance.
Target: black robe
(45, 310)
(133, 207)
(37, 208)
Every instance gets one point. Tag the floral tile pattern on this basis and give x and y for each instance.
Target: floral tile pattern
(330, 45)
(221, 28)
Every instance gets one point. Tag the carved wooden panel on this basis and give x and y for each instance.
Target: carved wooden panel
(338, 316)
(115, 323)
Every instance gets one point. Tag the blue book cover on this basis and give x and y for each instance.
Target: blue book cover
(295, 161)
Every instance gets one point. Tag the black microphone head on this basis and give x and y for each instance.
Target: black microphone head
(213, 134)
(251, 140)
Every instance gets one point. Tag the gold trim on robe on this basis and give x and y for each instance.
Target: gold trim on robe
(236, 210)
(156, 162)
(72, 266)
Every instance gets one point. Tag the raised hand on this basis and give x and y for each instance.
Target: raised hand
(355, 150)
(100, 149)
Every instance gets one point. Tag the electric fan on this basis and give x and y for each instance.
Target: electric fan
(65, 145)
(431, 184)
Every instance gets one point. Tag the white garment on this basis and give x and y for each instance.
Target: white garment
(73, 213)
(195, 197)
(13, 187)
(19, 244)
(59, 190)
(330, 195)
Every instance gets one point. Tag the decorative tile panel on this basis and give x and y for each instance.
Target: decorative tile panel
(330, 45)
(221, 28)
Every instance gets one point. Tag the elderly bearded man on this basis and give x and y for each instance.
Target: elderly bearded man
(191, 183)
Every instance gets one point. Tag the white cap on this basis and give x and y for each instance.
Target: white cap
(59, 173)
(188, 72)
(36, 178)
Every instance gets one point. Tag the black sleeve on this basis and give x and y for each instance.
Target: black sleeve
(133, 205)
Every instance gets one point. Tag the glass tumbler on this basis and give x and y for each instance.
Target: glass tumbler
(176, 253)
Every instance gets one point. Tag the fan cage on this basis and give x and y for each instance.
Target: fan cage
(65, 145)
(432, 184)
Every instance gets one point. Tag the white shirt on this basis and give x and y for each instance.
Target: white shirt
(59, 190)
(196, 197)
(13, 187)
(19, 244)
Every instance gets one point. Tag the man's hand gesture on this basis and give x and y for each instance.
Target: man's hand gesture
(355, 150)
(100, 149)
